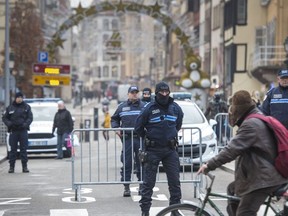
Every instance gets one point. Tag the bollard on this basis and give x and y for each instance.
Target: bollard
(87, 126)
(96, 119)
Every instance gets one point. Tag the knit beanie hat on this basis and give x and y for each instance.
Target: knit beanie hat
(162, 86)
(147, 91)
(241, 104)
(18, 94)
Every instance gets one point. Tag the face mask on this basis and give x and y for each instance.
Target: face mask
(147, 99)
(161, 99)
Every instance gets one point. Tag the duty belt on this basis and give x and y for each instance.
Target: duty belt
(171, 143)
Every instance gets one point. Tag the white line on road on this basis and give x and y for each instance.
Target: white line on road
(68, 212)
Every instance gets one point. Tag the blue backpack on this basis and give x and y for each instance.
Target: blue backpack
(281, 136)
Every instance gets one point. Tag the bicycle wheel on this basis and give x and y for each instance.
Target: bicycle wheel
(184, 209)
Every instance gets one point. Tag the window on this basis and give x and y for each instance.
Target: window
(242, 12)
(106, 71)
(216, 17)
(260, 36)
(106, 24)
(115, 25)
(114, 71)
(99, 72)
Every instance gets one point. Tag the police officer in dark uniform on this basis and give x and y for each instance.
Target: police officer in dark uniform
(276, 101)
(125, 117)
(17, 118)
(146, 95)
(158, 124)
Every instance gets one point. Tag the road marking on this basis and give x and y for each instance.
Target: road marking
(68, 212)
(2, 213)
(14, 201)
(82, 191)
(83, 199)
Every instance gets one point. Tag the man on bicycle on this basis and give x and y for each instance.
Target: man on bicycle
(254, 145)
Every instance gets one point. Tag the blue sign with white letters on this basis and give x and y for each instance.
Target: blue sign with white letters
(43, 57)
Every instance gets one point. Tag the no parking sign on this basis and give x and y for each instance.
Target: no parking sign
(43, 57)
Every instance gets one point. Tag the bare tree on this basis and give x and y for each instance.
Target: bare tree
(26, 39)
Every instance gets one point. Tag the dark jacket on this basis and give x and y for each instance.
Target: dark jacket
(126, 114)
(252, 170)
(276, 104)
(18, 116)
(63, 122)
(215, 107)
(160, 124)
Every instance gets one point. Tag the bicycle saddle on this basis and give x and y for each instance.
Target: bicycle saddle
(281, 190)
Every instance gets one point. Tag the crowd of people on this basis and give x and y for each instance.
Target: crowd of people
(157, 122)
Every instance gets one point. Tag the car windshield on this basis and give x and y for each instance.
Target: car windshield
(44, 113)
(191, 115)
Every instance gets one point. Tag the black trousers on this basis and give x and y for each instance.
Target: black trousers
(20, 136)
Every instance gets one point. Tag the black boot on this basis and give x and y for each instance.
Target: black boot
(11, 169)
(145, 214)
(175, 213)
(25, 169)
(127, 192)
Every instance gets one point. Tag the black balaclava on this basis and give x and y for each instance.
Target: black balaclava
(146, 91)
(162, 99)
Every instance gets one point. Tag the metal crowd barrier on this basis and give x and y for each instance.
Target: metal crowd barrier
(222, 129)
(97, 162)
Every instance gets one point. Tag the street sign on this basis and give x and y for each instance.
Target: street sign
(43, 57)
(50, 80)
(52, 69)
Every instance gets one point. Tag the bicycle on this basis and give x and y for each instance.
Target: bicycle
(195, 209)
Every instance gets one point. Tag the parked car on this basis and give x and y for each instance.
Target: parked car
(40, 137)
(196, 137)
(181, 95)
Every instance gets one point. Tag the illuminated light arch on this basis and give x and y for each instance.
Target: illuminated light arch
(192, 78)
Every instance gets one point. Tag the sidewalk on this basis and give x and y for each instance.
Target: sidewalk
(3, 153)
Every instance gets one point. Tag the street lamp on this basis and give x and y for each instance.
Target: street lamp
(285, 44)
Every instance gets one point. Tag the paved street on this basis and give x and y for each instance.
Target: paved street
(46, 190)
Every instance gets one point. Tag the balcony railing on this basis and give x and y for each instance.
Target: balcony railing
(268, 56)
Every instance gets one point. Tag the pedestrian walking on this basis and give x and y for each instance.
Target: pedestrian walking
(255, 149)
(18, 117)
(159, 124)
(64, 124)
(106, 124)
(276, 100)
(125, 117)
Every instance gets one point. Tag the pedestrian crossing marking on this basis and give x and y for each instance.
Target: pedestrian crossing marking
(10, 201)
(68, 212)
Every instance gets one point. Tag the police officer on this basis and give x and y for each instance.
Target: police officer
(146, 95)
(159, 124)
(275, 103)
(18, 117)
(125, 117)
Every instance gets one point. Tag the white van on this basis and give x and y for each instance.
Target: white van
(40, 137)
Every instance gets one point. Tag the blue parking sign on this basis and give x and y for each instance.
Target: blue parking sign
(43, 57)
